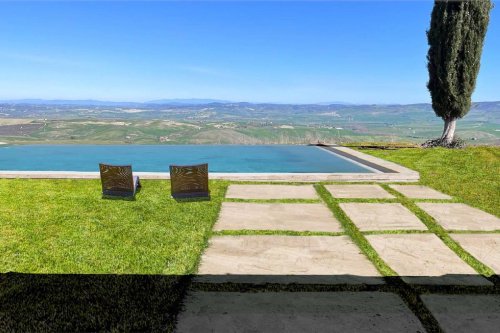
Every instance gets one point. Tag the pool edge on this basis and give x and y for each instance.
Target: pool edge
(397, 173)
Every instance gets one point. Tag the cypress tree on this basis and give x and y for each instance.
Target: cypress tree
(455, 39)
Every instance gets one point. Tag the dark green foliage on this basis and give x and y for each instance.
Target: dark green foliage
(455, 40)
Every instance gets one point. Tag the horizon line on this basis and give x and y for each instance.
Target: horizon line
(208, 101)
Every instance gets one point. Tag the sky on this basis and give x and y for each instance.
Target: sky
(279, 52)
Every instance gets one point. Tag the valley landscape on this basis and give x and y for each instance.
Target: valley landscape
(224, 122)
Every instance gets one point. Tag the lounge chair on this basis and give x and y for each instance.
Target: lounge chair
(189, 181)
(118, 181)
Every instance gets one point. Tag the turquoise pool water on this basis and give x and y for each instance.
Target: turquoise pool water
(157, 158)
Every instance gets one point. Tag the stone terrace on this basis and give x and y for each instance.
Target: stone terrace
(364, 258)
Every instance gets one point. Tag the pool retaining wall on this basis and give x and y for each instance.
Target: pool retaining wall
(384, 171)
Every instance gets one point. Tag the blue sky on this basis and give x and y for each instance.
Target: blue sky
(297, 52)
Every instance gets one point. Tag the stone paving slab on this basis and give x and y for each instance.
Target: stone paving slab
(465, 313)
(424, 259)
(286, 259)
(458, 216)
(484, 247)
(296, 312)
(382, 216)
(419, 192)
(358, 191)
(265, 192)
(276, 216)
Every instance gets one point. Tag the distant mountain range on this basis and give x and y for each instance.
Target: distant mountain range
(92, 102)
(201, 101)
(188, 101)
(86, 102)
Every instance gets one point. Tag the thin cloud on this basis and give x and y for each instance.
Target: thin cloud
(42, 59)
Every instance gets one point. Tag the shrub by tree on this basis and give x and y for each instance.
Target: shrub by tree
(455, 41)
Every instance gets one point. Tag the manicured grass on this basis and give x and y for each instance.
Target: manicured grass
(135, 257)
(472, 174)
(146, 247)
(64, 226)
(273, 200)
(245, 232)
(89, 302)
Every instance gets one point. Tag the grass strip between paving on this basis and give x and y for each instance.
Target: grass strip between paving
(407, 293)
(439, 231)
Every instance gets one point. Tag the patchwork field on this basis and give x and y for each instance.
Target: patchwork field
(238, 123)
(32, 131)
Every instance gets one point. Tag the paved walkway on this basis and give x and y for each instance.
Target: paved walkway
(284, 258)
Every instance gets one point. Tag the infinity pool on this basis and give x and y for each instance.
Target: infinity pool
(157, 158)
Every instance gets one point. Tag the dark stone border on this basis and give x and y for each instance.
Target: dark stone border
(357, 159)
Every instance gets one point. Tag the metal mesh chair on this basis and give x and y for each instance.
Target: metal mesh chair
(118, 181)
(189, 181)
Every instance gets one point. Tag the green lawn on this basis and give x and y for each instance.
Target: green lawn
(124, 257)
(63, 226)
(129, 261)
(472, 175)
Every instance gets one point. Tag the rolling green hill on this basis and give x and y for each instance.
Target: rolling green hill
(242, 123)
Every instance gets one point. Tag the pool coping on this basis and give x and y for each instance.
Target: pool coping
(386, 172)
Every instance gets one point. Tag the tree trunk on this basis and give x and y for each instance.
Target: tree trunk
(449, 130)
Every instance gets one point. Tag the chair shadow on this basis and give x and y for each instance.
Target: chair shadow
(122, 198)
(191, 199)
